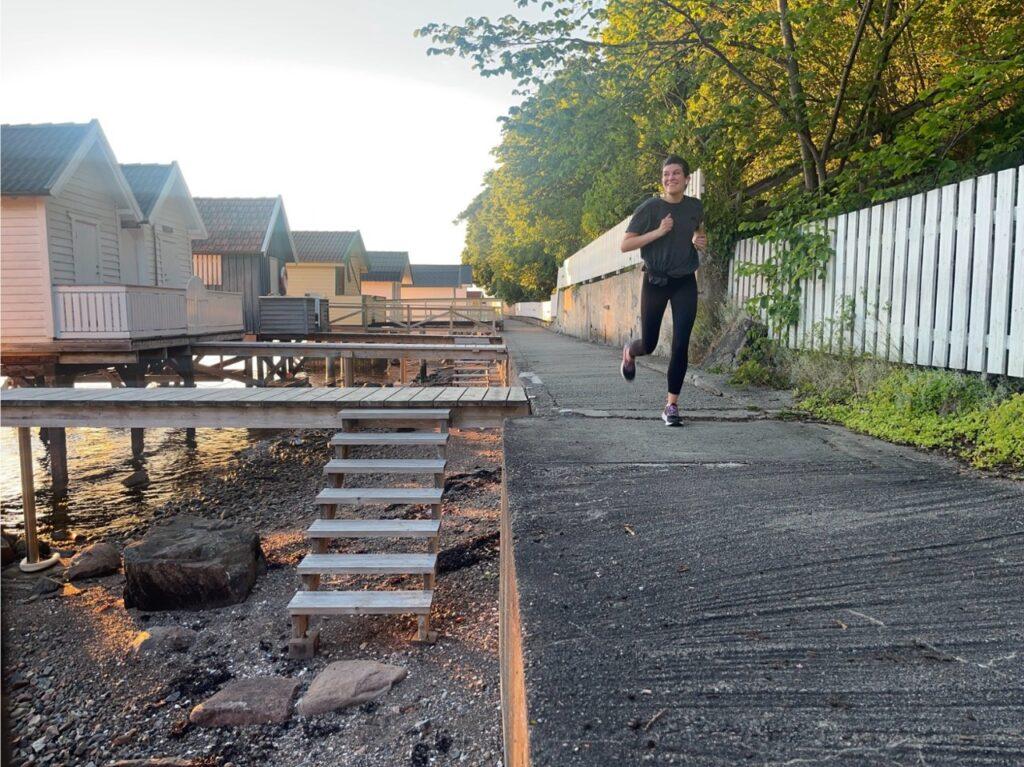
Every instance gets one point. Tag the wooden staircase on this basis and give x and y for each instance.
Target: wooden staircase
(312, 601)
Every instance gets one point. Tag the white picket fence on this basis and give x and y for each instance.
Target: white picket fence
(935, 279)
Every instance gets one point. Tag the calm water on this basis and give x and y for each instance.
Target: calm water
(99, 460)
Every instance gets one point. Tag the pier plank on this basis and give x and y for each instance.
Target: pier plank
(298, 408)
(355, 394)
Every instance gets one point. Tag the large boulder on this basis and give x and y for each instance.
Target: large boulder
(347, 683)
(192, 563)
(7, 553)
(725, 352)
(94, 561)
(262, 700)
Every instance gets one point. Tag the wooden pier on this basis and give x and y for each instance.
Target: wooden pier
(270, 408)
(266, 408)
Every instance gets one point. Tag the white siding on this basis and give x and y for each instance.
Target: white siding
(88, 194)
(175, 248)
(25, 302)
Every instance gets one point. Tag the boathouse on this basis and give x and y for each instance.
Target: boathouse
(386, 272)
(85, 267)
(330, 265)
(439, 281)
(248, 245)
(159, 250)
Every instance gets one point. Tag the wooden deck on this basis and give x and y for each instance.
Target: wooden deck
(275, 408)
(360, 351)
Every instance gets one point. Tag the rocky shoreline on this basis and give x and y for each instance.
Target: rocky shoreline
(79, 691)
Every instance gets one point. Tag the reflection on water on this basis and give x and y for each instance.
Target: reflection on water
(99, 460)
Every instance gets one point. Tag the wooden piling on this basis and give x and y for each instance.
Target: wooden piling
(58, 461)
(135, 376)
(188, 378)
(28, 493)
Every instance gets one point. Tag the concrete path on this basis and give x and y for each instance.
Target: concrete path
(751, 592)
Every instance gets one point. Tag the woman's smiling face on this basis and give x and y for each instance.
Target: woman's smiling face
(673, 179)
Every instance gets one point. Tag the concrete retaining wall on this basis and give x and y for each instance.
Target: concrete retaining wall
(607, 311)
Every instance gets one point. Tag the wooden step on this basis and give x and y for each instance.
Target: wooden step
(396, 414)
(385, 466)
(391, 439)
(368, 564)
(349, 496)
(374, 528)
(360, 602)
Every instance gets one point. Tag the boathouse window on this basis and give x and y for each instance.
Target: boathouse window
(339, 280)
(207, 268)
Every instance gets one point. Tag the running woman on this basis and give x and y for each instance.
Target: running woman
(668, 230)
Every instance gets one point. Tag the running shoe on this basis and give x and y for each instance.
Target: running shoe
(671, 416)
(628, 367)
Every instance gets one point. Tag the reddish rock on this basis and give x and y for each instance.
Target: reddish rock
(261, 700)
(347, 683)
(94, 561)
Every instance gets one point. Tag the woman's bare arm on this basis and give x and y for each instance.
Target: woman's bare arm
(632, 240)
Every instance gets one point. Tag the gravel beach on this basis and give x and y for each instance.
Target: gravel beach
(76, 694)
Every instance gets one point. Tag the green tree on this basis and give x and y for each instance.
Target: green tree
(792, 108)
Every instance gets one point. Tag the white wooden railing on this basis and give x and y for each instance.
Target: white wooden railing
(212, 311)
(141, 311)
(935, 279)
(118, 311)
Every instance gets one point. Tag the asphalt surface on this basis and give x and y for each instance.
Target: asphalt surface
(755, 591)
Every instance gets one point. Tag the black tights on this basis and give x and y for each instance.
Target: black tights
(681, 292)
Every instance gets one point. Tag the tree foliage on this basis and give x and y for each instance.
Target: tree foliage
(792, 108)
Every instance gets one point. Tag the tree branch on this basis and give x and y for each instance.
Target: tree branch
(844, 80)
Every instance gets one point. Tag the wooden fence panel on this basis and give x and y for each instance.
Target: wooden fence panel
(883, 335)
(1015, 367)
(936, 279)
(929, 266)
(999, 313)
(962, 275)
(944, 277)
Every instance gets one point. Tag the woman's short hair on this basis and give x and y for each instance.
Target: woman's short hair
(674, 159)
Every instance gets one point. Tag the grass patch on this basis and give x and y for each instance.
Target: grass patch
(955, 412)
(977, 419)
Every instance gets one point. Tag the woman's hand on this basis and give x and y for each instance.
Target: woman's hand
(700, 240)
(634, 241)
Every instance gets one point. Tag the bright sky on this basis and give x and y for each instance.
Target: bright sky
(332, 104)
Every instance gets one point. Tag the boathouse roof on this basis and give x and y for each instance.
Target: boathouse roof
(240, 225)
(40, 158)
(326, 247)
(386, 265)
(441, 275)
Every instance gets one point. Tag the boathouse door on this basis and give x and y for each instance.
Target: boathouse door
(85, 242)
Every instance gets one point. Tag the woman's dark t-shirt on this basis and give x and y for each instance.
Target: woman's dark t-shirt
(673, 254)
